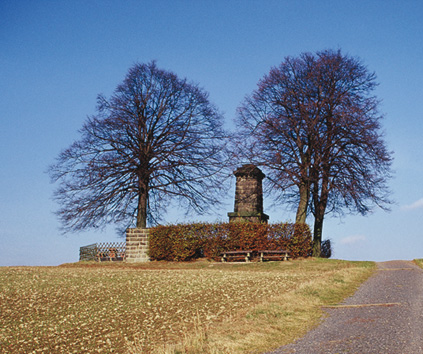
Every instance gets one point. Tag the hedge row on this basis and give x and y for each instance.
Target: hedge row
(184, 242)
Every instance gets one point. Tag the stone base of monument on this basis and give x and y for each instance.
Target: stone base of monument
(137, 245)
(248, 216)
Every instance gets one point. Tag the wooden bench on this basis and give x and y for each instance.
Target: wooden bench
(240, 254)
(273, 254)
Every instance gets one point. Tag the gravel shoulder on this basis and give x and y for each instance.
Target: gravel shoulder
(385, 315)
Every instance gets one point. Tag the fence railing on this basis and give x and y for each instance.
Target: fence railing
(105, 251)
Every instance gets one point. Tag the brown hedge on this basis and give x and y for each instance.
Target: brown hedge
(184, 242)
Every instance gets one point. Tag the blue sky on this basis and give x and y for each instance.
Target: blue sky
(57, 56)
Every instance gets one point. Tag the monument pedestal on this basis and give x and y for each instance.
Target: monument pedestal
(137, 245)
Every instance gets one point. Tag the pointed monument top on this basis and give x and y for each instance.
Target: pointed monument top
(249, 170)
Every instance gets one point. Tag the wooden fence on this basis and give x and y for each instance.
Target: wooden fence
(105, 251)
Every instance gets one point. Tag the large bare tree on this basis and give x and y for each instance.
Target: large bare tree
(314, 125)
(155, 139)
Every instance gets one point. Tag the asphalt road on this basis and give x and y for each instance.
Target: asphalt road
(385, 316)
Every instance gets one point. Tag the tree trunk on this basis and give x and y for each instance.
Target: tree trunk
(142, 205)
(301, 216)
(142, 211)
(317, 236)
(320, 202)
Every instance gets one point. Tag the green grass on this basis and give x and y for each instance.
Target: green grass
(159, 307)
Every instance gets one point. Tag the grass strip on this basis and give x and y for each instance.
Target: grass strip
(419, 262)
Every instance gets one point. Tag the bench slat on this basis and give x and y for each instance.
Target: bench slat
(273, 251)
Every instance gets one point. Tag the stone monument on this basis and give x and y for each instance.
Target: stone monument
(248, 195)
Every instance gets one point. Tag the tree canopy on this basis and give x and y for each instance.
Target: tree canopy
(157, 138)
(313, 123)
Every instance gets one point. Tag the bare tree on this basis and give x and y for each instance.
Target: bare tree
(157, 138)
(314, 125)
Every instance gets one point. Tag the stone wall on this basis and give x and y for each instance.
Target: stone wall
(137, 245)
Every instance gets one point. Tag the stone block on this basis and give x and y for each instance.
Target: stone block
(137, 245)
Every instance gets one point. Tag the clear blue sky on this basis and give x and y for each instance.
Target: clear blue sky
(56, 56)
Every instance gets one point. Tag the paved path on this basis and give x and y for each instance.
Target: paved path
(385, 316)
